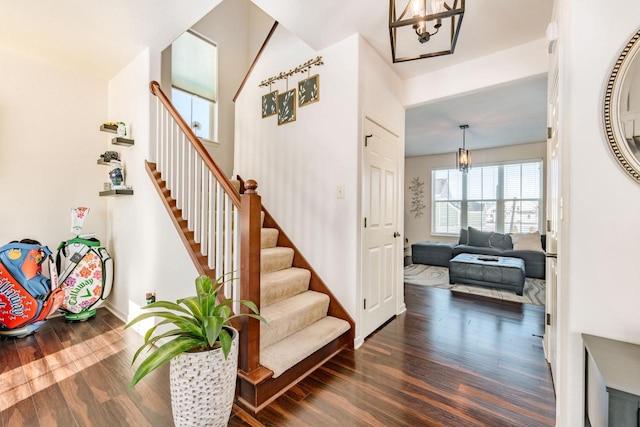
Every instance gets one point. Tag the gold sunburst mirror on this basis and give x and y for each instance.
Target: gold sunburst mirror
(621, 108)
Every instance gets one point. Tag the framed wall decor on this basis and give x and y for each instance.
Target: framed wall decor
(309, 90)
(287, 107)
(269, 104)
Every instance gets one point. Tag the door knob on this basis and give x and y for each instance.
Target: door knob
(396, 234)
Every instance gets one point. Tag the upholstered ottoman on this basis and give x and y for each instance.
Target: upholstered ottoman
(505, 273)
(432, 253)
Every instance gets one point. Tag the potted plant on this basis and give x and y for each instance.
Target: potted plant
(202, 349)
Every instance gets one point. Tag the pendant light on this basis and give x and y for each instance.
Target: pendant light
(463, 158)
(414, 23)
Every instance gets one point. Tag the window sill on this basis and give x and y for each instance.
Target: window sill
(209, 143)
(444, 235)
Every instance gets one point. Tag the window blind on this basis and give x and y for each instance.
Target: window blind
(194, 66)
(505, 198)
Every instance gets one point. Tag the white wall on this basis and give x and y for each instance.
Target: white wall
(598, 291)
(228, 25)
(510, 65)
(419, 229)
(49, 144)
(299, 165)
(238, 28)
(148, 254)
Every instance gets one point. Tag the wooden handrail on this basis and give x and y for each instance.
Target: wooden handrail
(156, 90)
(255, 60)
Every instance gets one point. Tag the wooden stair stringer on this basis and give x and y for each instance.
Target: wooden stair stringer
(187, 237)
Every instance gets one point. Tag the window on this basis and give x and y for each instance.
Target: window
(199, 113)
(194, 82)
(503, 198)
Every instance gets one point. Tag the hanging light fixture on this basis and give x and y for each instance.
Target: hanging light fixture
(463, 158)
(424, 19)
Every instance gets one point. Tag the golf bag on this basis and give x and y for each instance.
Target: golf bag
(27, 297)
(86, 275)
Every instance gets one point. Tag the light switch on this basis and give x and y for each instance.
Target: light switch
(340, 191)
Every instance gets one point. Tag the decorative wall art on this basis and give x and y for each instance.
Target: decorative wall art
(309, 90)
(284, 104)
(417, 197)
(287, 107)
(269, 104)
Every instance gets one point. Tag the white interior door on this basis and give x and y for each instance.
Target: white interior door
(381, 239)
(554, 213)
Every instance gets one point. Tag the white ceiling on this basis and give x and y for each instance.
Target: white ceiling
(100, 37)
(96, 37)
(507, 115)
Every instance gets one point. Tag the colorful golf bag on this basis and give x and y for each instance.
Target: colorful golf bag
(86, 275)
(27, 297)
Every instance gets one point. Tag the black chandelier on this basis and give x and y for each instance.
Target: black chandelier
(463, 157)
(424, 19)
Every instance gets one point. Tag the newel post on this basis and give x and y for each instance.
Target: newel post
(251, 207)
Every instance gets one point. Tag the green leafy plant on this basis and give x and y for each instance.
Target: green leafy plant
(199, 323)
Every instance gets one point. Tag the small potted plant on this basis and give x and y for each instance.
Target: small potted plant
(202, 349)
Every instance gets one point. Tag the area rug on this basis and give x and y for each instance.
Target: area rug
(438, 277)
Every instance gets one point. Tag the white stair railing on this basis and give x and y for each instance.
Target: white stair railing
(209, 203)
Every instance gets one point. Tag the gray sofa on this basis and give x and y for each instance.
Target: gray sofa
(473, 241)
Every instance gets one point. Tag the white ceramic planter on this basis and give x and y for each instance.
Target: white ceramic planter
(203, 386)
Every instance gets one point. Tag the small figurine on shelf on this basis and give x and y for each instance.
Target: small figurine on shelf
(116, 174)
(110, 155)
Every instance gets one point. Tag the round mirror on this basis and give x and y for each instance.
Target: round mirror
(622, 108)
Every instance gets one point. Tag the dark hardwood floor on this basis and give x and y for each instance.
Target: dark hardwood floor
(450, 360)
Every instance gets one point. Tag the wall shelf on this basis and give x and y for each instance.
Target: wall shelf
(122, 141)
(109, 128)
(103, 163)
(122, 192)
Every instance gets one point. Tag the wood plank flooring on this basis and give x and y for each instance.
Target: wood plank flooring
(450, 360)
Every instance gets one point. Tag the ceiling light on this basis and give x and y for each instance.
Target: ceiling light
(424, 19)
(463, 157)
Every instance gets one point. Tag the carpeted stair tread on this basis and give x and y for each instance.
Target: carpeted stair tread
(282, 284)
(291, 315)
(274, 259)
(286, 353)
(268, 237)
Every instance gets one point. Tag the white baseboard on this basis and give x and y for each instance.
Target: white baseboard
(120, 315)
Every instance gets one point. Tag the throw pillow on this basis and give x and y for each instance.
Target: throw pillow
(479, 238)
(464, 237)
(527, 242)
(500, 241)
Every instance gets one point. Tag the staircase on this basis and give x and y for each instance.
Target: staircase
(226, 230)
(298, 324)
